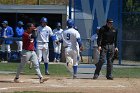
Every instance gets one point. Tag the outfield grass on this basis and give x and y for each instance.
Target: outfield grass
(55, 69)
(125, 72)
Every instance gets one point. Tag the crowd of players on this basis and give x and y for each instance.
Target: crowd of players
(34, 45)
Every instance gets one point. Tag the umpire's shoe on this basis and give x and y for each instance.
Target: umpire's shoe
(16, 80)
(110, 78)
(95, 76)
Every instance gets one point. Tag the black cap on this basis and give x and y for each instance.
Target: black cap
(109, 20)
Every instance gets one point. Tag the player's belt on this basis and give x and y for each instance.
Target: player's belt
(66, 46)
(42, 42)
(28, 50)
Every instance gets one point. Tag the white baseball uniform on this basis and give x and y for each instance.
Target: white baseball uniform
(57, 47)
(43, 34)
(69, 37)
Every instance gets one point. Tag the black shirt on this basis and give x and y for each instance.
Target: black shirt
(107, 36)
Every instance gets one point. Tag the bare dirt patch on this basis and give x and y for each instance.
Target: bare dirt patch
(58, 84)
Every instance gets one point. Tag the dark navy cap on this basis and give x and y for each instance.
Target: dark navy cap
(5, 22)
(109, 20)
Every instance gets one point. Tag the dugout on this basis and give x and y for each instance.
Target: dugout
(33, 13)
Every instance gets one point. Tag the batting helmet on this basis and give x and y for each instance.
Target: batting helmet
(70, 23)
(20, 23)
(44, 19)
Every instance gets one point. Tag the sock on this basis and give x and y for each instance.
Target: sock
(46, 67)
(9, 56)
(74, 70)
(58, 56)
(55, 55)
(3, 55)
(39, 63)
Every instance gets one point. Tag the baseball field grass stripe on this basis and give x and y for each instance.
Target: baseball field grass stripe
(55, 69)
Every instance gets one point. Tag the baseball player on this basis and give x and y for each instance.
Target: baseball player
(28, 53)
(43, 34)
(70, 38)
(95, 46)
(19, 32)
(57, 47)
(7, 32)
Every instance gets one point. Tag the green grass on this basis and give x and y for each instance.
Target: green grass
(55, 69)
(125, 72)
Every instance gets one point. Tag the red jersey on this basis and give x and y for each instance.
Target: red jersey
(28, 43)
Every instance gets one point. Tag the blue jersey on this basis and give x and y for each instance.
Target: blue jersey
(19, 31)
(8, 31)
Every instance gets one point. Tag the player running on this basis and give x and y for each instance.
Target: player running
(70, 38)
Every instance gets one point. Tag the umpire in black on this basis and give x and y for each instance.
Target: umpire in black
(107, 44)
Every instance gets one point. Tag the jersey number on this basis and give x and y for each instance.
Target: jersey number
(68, 36)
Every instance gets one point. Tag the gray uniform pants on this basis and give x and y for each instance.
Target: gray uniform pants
(106, 52)
(29, 56)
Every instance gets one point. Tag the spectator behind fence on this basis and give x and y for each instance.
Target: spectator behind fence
(6, 32)
(19, 33)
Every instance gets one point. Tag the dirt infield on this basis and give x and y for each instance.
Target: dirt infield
(101, 85)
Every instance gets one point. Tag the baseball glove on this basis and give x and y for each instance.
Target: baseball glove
(116, 54)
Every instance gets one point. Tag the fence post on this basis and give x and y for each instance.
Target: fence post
(120, 33)
(70, 7)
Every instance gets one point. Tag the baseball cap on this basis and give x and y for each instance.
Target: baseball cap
(5, 22)
(109, 20)
(20, 22)
(44, 19)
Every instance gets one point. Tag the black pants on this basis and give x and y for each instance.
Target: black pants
(107, 52)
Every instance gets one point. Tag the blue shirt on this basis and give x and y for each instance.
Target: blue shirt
(19, 31)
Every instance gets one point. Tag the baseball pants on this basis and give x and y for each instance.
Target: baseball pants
(71, 56)
(29, 56)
